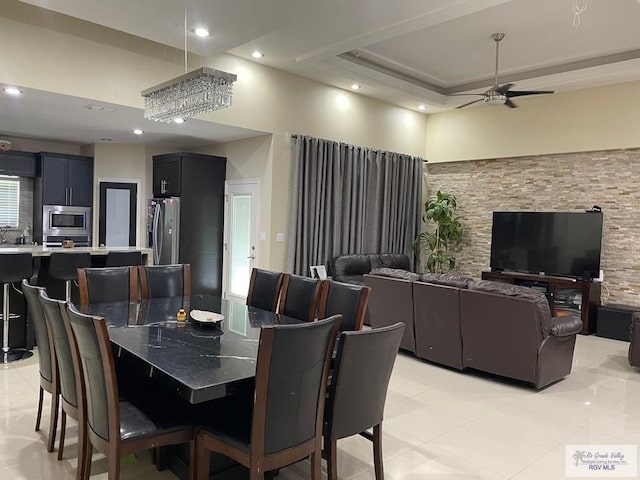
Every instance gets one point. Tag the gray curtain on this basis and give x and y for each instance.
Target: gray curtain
(349, 199)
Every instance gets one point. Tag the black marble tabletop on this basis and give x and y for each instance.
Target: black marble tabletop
(200, 362)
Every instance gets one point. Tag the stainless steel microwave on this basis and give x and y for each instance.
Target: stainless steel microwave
(64, 220)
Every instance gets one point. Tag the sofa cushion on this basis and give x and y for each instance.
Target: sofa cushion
(449, 279)
(390, 260)
(518, 291)
(395, 273)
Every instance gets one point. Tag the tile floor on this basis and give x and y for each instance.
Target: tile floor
(439, 423)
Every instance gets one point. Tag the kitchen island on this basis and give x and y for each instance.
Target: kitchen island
(21, 334)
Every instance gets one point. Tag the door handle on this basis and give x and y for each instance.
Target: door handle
(70, 196)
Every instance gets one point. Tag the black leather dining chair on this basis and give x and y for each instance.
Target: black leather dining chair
(115, 428)
(165, 280)
(345, 299)
(359, 382)
(110, 284)
(264, 289)
(300, 296)
(68, 389)
(285, 424)
(123, 259)
(47, 363)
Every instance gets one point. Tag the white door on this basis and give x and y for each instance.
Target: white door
(240, 239)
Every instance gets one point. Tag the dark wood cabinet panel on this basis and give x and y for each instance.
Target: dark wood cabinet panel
(199, 182)
(565, 295)
(66, 179)
(167, 176)
(22, 164)
(80, 181)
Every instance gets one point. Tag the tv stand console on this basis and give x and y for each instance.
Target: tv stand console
(565, 295)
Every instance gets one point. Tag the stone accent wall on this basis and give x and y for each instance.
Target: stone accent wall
(571, 182)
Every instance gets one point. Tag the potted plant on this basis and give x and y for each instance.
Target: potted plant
(446, 234)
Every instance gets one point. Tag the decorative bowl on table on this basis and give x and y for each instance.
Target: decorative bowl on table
(206, 318)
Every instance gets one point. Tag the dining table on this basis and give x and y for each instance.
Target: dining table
(200, 360)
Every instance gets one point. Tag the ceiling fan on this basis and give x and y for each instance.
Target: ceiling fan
(497, 94)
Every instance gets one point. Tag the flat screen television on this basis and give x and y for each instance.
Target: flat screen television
(551, 243)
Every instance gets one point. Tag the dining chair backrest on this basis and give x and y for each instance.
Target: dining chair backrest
(165, 280)
(46, 360)
(264, 289)
(360, 379)
(62, 349)
(345, 299)
(291, 378)
(110, 284)
(300, 296)
(123, 259)
(94, 359)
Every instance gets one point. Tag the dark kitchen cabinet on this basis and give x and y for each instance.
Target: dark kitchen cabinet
(167, 175)
(198, 180)
(21, 164)
(66, 179)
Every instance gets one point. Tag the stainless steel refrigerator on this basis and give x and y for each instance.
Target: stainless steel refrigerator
(163, 229)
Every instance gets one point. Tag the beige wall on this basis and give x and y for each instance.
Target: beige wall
(124, 163)
(252, 159)
(584, 120)
(30, 145)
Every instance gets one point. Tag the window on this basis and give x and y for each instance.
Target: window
(9, 201)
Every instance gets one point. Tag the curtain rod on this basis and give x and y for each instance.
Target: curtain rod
(297, 135)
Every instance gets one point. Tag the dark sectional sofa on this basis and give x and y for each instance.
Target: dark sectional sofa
(463, 323)
(352, 267)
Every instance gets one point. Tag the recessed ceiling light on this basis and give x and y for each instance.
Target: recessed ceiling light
(12, 90)
(178, 120)
(257, 54)
(137, 131)
(201, 32)
(422, 107)
(355, 86)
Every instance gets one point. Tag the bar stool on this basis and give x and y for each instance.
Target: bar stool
(64, 266)
(14, 267)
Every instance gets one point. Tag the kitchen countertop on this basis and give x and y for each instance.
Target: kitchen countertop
(40, 251)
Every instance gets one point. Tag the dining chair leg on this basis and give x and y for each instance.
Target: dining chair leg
(316, 463)
(82, 449)
(53, 421)
(114, 467)
(192, 460)
(63, 428)
(377, 452)
(201, 460)
(255, 475)
(331, 451)
(86, 464)
(39, 416)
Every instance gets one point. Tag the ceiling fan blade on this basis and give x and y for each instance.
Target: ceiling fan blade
(464, 94)
(522, 93)
(510, 104)
(504, 88)
(470, 103)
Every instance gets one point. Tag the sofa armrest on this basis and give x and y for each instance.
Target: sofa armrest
(565, 326)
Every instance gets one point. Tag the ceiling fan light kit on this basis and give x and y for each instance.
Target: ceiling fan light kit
(500, 95)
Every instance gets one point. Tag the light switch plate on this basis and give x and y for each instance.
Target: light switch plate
(263, 237)
(279, 237)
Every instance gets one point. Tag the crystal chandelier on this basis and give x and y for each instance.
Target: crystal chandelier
(199, 91)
